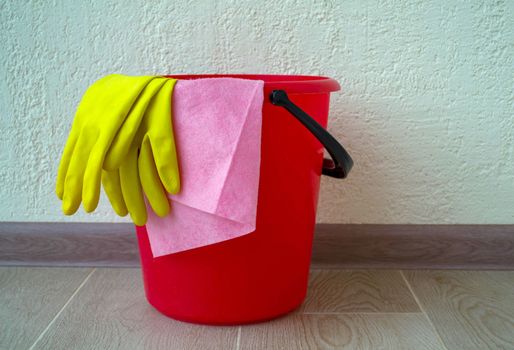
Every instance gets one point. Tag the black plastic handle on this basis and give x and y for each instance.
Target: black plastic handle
(341, 163)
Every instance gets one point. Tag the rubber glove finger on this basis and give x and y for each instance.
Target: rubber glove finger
(112, 187)
(64, 164)
(166, 162)
(150, 181)
(162, 139)
(92, 177)
(123, 139)
(131, 188)
(75, 175)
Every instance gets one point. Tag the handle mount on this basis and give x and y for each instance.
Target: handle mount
(341, 163)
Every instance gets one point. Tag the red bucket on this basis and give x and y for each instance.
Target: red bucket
(264, 274)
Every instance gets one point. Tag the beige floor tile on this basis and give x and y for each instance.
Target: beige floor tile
(339, 291)
(469, 309)
(345, 331)
(30, 298)
(343, 310)
(111, 312)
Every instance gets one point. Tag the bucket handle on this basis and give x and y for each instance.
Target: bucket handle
(341, 163)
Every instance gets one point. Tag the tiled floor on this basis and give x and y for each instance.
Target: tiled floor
(82, 308)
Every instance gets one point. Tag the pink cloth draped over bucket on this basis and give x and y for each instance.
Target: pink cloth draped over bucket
(217, 125)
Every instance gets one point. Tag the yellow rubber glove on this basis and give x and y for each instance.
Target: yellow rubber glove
(122, 141)
(100, 114)
(154, 171)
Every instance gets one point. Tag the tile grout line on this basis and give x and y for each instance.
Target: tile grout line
(50, 324)
(238, 341)
(422, 309)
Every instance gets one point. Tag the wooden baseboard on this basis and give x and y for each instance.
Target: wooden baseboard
(68, 244)
(335, 245)
(415, 246)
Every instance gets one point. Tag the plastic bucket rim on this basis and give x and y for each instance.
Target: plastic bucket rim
(291, 83)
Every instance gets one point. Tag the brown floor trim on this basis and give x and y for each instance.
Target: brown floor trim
(335, 245)
(68, 244)
(415, 246)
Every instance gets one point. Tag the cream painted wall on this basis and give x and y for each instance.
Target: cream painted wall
(427, 107)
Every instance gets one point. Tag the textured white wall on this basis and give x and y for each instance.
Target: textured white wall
(426, 111)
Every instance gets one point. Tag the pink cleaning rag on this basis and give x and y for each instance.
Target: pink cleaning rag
(217, 125)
